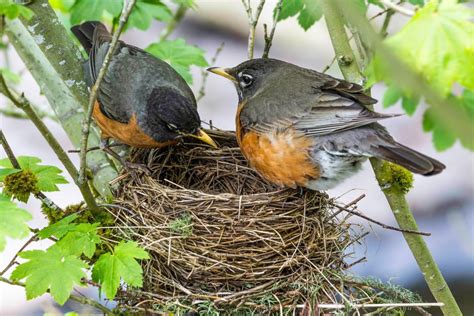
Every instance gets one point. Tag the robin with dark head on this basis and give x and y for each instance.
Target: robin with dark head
(142, 101)
(300, 127)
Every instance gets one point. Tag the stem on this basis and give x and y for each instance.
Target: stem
(23, 104)
(205, 73)
(80, 299)
(396, 198)
(86, 124)
(12, 261)
(177, 17)
(56, 64)
(269, 38)
(389, 4)
(253, 21)
(11, 156)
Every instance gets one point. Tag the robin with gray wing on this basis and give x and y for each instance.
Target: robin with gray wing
(142, 101)
(300, 127)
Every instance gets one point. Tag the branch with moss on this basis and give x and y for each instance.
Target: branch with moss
(86, 123)
(55, 62)
(393, 186)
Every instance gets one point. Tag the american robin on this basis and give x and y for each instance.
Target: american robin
(142, 101)
(300, 127)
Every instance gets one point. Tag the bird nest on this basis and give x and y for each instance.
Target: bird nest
(222, 238)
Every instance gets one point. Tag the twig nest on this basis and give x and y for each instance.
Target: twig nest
(220, 236)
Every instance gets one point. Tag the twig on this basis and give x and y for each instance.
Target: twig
(397, 7)
(253, 21)
(19, 115)
(81, 299)
(171, 26)
(269, 38)
(25, 105)
(12, 262)
(11, 156)
(78, 151)
(205, 73)
(86, 124)
(354, 212)
(386, 22)
(386, 305)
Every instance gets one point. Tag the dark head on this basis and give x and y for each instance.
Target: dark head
(249, 77)
(169, 116)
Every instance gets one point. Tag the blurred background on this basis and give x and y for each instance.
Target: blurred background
(443, 205)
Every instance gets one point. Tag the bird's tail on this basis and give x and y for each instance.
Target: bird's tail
(89, 32)
(409, 159)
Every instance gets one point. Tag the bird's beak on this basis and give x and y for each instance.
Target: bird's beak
(224, 72)
(202, 136)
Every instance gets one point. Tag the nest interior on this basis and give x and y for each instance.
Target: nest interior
(220, 236)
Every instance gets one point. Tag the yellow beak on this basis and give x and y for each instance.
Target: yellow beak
(202, 136)
(224, 72)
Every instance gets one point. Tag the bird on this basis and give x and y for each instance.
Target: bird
(141, 101)
(301, 128)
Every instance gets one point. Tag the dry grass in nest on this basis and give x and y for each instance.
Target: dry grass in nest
(221, 237)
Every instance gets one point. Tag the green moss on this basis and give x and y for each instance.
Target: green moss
(21, 184)
(395, 176)
(182, 225)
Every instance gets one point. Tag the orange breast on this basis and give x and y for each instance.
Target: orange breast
(281, 157)
(129, 133)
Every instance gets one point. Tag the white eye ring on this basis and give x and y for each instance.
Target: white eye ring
(245, 80)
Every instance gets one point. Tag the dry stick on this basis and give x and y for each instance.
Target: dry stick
(253, 21)
(25, 105)
(333, 12)
(269, 38)
(80, 299)
(86, 124)
(205, 73)
(11, 156)
(171, 26)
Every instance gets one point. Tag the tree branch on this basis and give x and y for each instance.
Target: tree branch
(11, 156)
(398, 8)
(269, 38)
(80, 299)
(333, 12)
(23, 104)
(171, 26)
(253, 21)
(12, 261)
(86, 124)
(56, 64)
(205, 73)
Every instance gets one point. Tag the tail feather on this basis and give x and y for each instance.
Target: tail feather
(410, 159)
(89, 32)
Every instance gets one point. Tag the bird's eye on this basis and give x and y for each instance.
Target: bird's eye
(172, 127)
(246, 80)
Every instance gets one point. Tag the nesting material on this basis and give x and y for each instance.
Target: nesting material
(220, 236)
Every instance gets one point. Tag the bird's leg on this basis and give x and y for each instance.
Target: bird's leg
(130, 166)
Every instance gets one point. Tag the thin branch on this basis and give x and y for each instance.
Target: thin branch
(11, 156)
(23, 104)
(80, 299)
(78, 151)
(12, 262)
(269, 38)
(397, 7)
(385, 305)
(171, 26)
(253, 21)
(205, 73)
(86, 124)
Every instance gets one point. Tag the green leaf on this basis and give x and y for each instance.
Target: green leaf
(428, 120)
(417, 2)
(442, 139)
(6, 171)
(311, 13)
(290, 8)
(12, 221)
(187, 3)
(82, 240)
(144, 12)
(60, 228)
(410, 104)
(10, 76)
(377, 3)
(179, 55)
(391, 96)
(62, 5)
(50, 270)
(12, 10)
(121, 264)
(48, 176)
(92, 10)
(437, 43)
